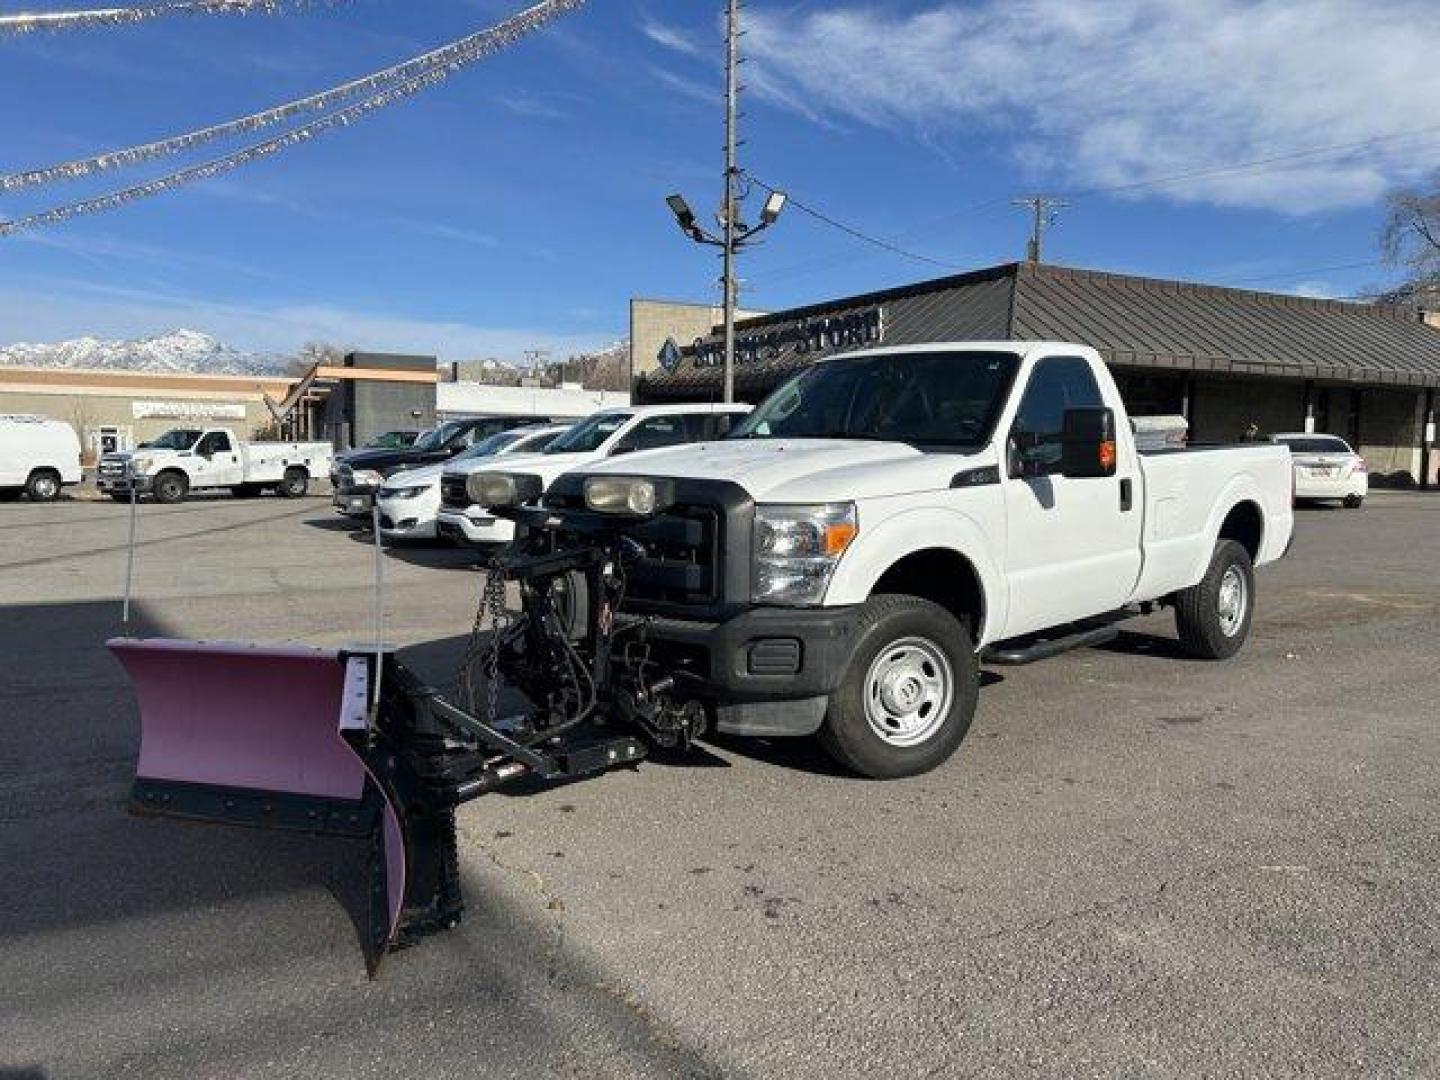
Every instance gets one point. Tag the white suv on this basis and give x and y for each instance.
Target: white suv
(602, 435)
(410, 501)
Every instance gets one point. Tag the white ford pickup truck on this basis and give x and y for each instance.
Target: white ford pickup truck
(194, 459)
(886, 521)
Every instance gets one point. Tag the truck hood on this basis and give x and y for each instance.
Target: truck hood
(426, 474)
(545, 466)
(801, 470)
(383, 460)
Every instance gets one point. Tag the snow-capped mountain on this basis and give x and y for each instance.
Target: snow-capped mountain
(176, 351)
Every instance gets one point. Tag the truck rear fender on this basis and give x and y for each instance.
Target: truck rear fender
(1238, 514)
(943, 546)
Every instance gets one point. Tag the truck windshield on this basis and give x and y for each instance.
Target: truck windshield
(491, 446)
(921, 398)
(177, 439)
(1314, 444)
(392, 440)
(589, 435)
(436, 438)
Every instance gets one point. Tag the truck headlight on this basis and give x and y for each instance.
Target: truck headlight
(366, 478)
(139, 465)
(402, 492)
(626, 495)
(795, 550)
(503, 489)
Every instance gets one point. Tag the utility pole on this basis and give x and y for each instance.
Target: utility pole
(1044, 211)
(734, 233)
(732, 180)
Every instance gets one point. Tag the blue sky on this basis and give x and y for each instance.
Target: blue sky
(521, 203)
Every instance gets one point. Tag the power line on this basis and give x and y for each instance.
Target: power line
(1312, 270)
(1259, 164)
(852, 231)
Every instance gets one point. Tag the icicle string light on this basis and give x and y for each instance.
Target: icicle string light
(448, 58)
(32, 22)
(305, 132)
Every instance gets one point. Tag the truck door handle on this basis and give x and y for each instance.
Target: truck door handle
(1127, 495)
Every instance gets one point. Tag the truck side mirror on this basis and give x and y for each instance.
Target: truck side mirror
(1087, 443)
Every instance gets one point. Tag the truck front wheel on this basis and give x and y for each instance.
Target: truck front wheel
(1213, 615)
(170, 487)
(295, 483)
(43, 485)
(907, 698)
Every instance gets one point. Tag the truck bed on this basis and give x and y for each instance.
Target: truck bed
(1184, 490)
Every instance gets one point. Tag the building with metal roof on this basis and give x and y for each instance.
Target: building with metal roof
(1225, 358)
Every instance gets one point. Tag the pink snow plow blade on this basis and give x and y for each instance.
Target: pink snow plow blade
(266, 736)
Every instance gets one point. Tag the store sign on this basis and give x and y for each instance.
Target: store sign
(187, 410)
(799, 337)
(669, 355)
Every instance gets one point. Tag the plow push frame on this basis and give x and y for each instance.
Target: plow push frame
(351, 743)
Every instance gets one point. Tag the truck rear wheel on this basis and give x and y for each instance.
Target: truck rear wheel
(1213, 615)
(170, 487)
(907, 698)
(295, 483)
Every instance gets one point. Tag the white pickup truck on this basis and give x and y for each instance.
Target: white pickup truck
(888, 520)
(194, 459)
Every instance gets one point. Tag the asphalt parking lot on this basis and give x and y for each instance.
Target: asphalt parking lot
(1137, 865)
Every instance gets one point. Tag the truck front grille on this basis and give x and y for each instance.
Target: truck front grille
(681, 564)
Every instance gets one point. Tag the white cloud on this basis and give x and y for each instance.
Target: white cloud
(67, 309)
(1108, 94)
(673, 39)
(1315, 290)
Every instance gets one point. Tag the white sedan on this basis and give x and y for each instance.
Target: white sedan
(1326, 468)
(410, 501)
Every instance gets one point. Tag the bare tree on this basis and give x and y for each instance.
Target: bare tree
(316, 352)
(83, 419)
(1410, 236)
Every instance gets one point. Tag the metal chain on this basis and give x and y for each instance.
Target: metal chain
(492, 603)
(499, 621)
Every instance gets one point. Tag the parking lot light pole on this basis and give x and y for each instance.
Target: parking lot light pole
(734, 233)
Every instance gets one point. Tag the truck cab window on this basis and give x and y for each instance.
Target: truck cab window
(215, 442)
(1056, 384)
(653, 433)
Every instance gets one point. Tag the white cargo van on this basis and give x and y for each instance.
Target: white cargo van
(38, 456)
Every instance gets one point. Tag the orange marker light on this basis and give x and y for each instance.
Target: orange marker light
(1107, 456)
(838, 537)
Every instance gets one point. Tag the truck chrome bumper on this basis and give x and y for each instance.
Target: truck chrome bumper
(123, 483)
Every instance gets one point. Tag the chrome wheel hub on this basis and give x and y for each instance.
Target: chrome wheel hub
(1232, 601)
(908, 691)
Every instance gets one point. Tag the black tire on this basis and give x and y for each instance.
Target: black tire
(43, 486)
(886, 623)
(170, 487)
(1354, 502)
(1205, 631)
(295, 484)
